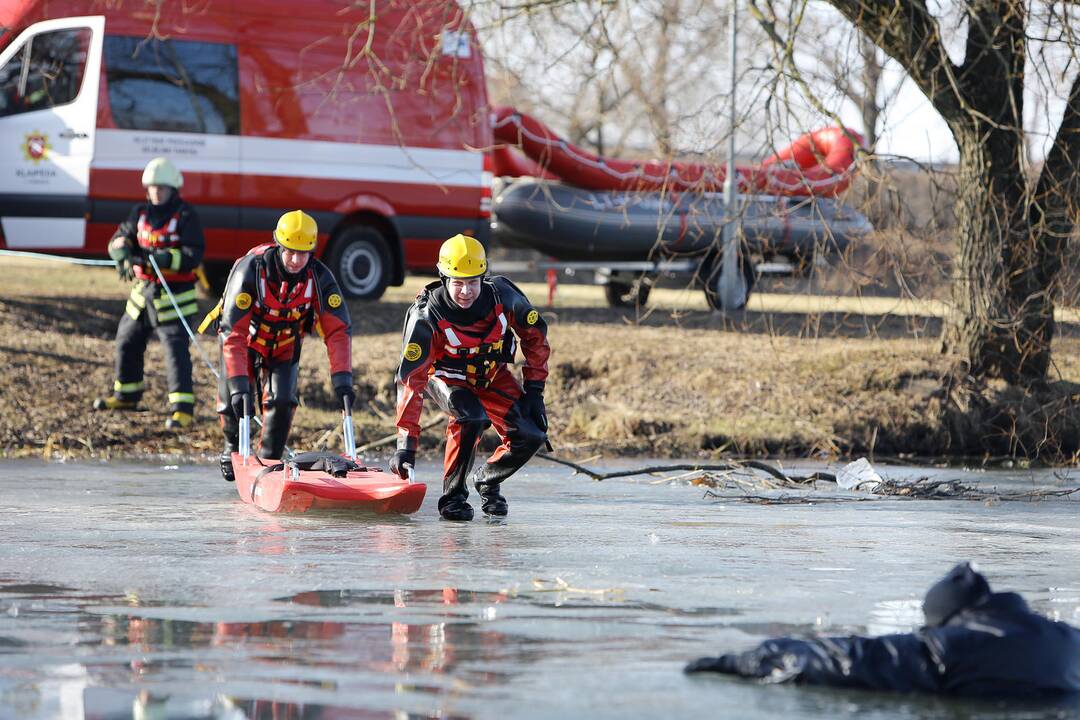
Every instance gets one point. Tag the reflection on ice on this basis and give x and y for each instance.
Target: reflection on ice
(895, 616)
(127, 592)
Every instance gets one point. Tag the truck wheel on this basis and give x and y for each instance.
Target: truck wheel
(712, 282)
(621, 293)
(360, 261)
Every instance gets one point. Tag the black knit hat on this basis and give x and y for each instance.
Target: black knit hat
(963, 587)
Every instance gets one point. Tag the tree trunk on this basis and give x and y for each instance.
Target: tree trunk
(1012, 229)
(871, 83)
(1004, 323)
(1005, 304)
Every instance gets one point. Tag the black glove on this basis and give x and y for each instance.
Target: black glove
(724, 664)
(400, 459)
(532, 403)
(119, 252)
(121, 255)
(241, 402)
(345, 391)
(343, 387)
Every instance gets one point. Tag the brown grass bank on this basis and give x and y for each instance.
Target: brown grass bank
(675, 381)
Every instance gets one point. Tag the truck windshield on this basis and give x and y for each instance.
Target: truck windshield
(46, 71)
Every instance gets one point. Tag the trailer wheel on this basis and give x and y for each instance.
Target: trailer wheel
(713, 272)
(360, 261)
(621, 293)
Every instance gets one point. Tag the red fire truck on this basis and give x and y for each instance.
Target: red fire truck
(373, 117)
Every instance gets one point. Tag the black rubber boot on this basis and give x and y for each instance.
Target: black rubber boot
(493, 501)
(225, 462)
(455, 508)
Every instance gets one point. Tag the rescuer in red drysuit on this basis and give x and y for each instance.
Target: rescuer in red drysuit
(275, 294)
(459, 336)
(168, 229)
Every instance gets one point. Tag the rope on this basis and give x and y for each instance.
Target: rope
(56, 258)
(164, 286)
(176, 307)
(195, 340)
(110, 263)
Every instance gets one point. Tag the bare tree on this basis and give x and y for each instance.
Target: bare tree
(645, 76)
(1013, 222)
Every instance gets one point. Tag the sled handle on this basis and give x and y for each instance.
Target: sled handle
(245, 435)
(348, 432)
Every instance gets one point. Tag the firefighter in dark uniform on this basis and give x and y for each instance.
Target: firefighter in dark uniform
(459, 336)
(975, 643)
(168, 229)
(276, 294)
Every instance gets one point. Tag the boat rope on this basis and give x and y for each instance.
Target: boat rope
(56, 258)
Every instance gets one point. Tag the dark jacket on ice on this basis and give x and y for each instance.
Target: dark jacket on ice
(975, 643)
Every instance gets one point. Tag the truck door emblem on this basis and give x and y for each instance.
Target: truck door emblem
(36, 147)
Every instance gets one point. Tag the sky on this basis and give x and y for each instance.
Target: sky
(909, 127)
(912, 128)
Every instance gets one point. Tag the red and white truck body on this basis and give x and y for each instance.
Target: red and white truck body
(372, 117)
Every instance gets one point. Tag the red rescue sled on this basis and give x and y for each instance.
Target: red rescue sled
(275, 487)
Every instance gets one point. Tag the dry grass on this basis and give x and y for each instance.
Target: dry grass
(792, 377)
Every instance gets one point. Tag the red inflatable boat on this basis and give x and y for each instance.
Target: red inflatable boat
(817, 164)
(283, 487)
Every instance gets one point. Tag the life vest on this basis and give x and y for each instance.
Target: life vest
(282, 313)
(475, 358)
(162, 238)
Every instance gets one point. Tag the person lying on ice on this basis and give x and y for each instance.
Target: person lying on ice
(168, 229)
(974, 643)
(459, 336)
(275, 294)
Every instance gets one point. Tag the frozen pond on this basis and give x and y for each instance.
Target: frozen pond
(149, 592)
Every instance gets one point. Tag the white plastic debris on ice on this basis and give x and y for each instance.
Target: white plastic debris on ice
(859, 474)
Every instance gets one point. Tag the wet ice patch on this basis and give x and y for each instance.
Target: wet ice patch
(895, 616)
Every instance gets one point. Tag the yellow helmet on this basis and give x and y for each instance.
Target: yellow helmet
(161, 171)
(296, 230)
(462, 257)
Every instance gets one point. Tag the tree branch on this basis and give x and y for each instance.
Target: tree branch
(1057, 194)
(994, 60)
(909, 34)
